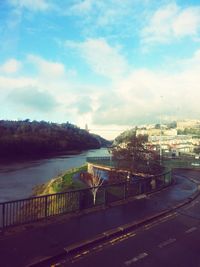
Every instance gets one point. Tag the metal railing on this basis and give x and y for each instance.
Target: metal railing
(177, 162)
(182, 163)
(103, 161)
(28, 210)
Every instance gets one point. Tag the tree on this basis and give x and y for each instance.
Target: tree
(26, 138)
(172, 125)
(157, 126)
(197, 150)
(134, 155)
(94, 181)
(125, 135)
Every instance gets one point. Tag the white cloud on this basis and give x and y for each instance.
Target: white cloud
(47, 68)
(130, 99)
(32, 99)
(106, 17)
(8, 83)
(145, 94)
(171, 22)
(82, 6)
(54, 88)
(187, 22)
(11, 66)
(102, 58)
(34, 5)
(185, 64)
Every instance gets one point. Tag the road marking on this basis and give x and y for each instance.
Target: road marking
(77, 256)
(85, 252)
(131, 235)
(159, 221)
(191, 205)
(141, 196)
(190, 230)
(167, 242)
(135, 259)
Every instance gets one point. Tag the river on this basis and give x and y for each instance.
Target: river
(18, 178)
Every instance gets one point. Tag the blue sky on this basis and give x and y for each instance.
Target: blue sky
(109, 63)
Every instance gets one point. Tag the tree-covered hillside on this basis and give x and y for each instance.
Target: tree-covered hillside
(102, 141)
(21, 138)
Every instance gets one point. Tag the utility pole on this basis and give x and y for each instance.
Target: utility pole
(160, 142)
(160, 135)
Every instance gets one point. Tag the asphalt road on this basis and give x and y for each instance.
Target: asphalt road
(172, 241)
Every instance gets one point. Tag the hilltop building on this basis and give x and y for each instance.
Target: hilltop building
(188, 124)
(156, 132)
(169, 141)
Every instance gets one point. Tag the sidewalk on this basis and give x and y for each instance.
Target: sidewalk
(24, 247)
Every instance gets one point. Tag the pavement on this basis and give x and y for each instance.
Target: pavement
(34, 243)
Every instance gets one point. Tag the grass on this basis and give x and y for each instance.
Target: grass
(66, 181)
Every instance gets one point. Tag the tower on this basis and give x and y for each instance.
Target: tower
(86, 128)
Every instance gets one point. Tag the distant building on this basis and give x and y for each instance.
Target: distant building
(174, 145)
(169, 141)
(188, 124)
(149, 132)
(170, 132)
(156, 132)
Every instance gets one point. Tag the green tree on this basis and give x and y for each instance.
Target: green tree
(197, 150)
(26, 138)
(157, 126)
(134, 155)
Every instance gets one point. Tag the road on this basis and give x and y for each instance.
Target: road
(174, 240)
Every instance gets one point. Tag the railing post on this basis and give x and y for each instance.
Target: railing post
(3, 216)
(46, 206)
(80, 200)
(105, 198)
(145, 186)
(166, 180)
(140, 187)
(171, 177)
(139, 183)
(125, 186)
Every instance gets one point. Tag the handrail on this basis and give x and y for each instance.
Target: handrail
(31, 209)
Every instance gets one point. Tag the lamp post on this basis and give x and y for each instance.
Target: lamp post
(160, 135)
(160, 142)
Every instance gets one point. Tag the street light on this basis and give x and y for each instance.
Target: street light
(160, 141)
(160, 136)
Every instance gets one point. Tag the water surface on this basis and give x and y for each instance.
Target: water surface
(18, 178)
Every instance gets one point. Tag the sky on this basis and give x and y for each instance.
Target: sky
(110, 64)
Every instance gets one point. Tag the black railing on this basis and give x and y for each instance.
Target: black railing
(103, 161)
(28, 210)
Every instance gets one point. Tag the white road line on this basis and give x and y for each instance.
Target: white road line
(135, 259)
(141, 196)
(191, 205)
(190, 230)
(167, 242)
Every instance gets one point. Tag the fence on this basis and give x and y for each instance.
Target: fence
(177, 162)
(182, 162)
(23, 211)
(103, 161)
